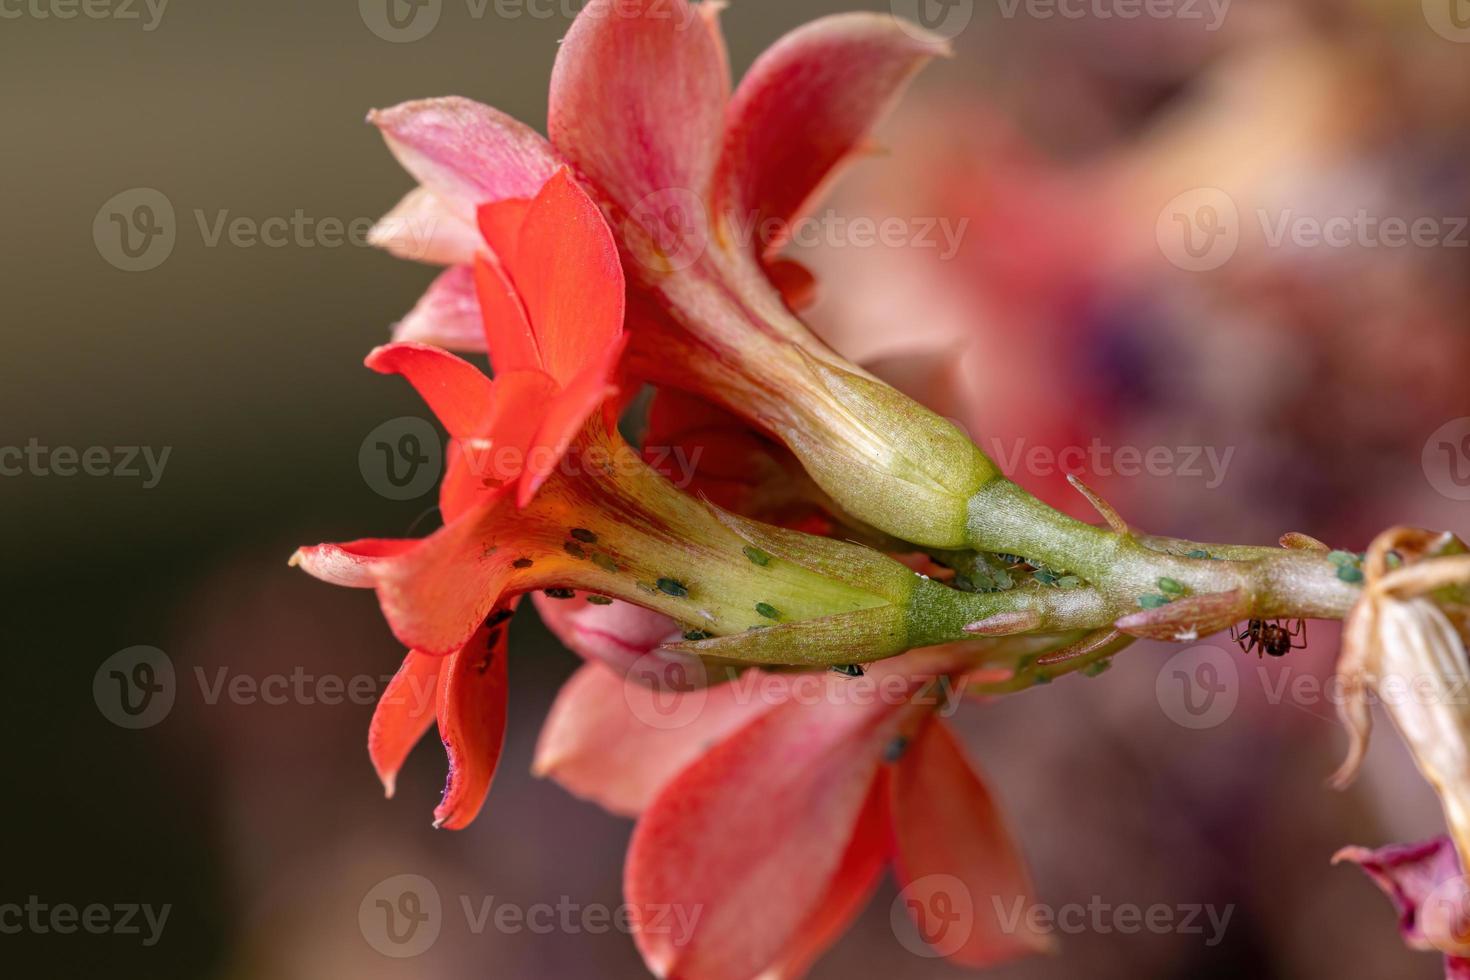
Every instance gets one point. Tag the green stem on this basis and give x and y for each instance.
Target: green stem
(1119, 570)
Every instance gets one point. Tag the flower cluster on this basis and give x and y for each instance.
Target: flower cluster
(842, 565)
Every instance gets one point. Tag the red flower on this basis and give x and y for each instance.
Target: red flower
(703, 188)
(772, 804)
(541, 493)
(553, 325)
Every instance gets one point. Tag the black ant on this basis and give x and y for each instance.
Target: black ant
(1269, 636)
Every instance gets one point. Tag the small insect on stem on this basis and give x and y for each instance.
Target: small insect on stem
(1270, 637)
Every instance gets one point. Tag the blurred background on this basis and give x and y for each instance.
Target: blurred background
(1210, 256)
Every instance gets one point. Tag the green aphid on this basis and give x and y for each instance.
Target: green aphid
(673, 587)
(756, 555)
(962, 583)
(599, 600)
(1068, 582)
(575, 550)
(1101, 667)
(559, 593)
(1342, 558)
(1153, 601)
(696, 635)
(1198, 553)
(604, 562)
(1348, 573)
(1171, 587)
(583, 535)
(1046, 576)
(767, 610)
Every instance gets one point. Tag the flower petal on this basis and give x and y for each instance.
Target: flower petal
(436, 594)
(447, 315)
(617, 635)
(597, 746)
(795, 282)
(946, 824)
(458, 393)
(638, 98)
(569, 275)
(807, 104)
(849, 891)
(507, 329)
(466, 153)
(565, 415)
(404, 712)
(755, 831)
(351, 563)
(1409, 874)
(479, 469)
(500, 227)
(472, 710)
(422, 228)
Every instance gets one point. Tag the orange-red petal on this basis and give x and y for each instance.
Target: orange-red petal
(857, 876)
(472, 711)
(404, 712)
(563, 417)
(755, 832)
(457, 392)
(950, 837)
(606, 742)
(507, 328)
(570, 277)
